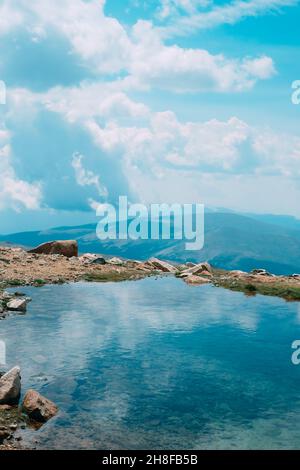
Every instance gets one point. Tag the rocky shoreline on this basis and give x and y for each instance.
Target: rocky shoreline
(21, 268)
(33, 411)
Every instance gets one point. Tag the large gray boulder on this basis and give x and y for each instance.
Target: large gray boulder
(10, 387)
(68, 248)
(38, 407)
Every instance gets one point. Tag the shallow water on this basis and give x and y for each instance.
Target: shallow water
(158, 364)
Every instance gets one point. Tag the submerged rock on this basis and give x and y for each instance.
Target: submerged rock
(10, 387)
(38, 408)
(68, 248)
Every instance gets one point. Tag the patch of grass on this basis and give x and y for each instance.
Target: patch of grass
(14, 283)
(250, 288)
(275, 289)
(113, 276)
(39, 282)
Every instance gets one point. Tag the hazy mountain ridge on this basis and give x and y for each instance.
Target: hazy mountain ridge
(232, 241)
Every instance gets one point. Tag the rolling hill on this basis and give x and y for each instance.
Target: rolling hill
(232, 241)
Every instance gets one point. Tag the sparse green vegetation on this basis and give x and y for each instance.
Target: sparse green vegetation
(14, 283)
(113, 276)
(39, 282)
(278, 289)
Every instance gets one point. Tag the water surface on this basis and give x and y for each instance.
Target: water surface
(158, 364)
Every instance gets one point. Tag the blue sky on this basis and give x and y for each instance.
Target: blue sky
(161, 100)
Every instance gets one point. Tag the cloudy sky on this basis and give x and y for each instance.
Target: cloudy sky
(160, 100)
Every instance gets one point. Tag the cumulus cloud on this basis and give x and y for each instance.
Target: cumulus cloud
(139, 54)
(156, 151)
(154, 65)
(129, 129)
(151, 147)
(91, 99)
(15, 193)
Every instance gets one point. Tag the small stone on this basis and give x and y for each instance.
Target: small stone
(90, 258)
(17, 305)
(116, 261)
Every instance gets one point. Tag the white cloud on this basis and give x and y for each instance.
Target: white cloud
(14, 192)
(100, 40)
(158, 154)
(139, 53)
(154, 149)
(96, 99)
(261, 68)
(86, 177)
(175, 7)
(138, 136)
(154, 65)
(9, 18)
(228, 13)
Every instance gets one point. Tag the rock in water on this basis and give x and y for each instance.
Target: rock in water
(162, 265)
(68, 248)
(10, 387)
(38, 407)
(17, 305)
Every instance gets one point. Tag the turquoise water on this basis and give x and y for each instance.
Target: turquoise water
(158, 364)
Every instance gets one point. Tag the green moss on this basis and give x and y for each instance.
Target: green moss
(275, 289)
(39, 282)
(250, 288)
(14, 283)
(113, 276)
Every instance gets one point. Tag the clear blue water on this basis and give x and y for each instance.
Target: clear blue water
(158, 364)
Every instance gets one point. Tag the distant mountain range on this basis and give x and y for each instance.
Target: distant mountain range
(232, 241)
